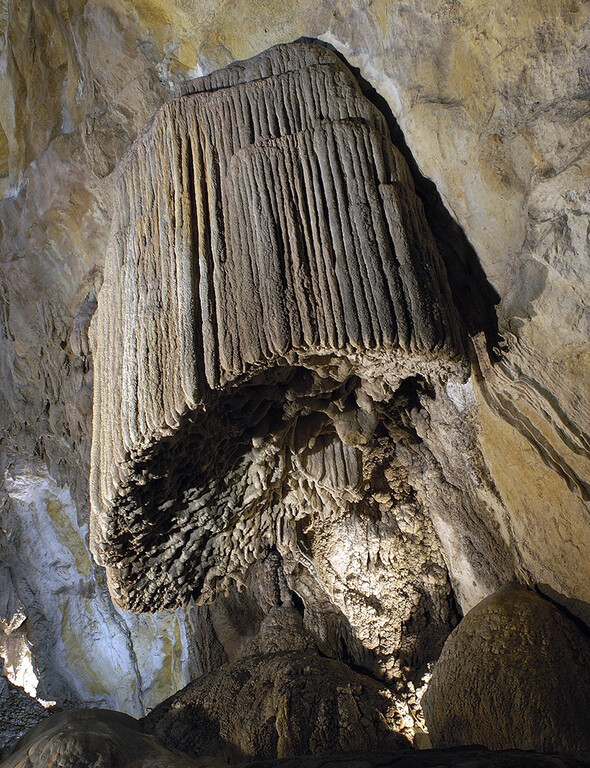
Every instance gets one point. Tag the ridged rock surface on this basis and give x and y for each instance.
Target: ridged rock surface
(492, 100)
(515, 673)
(268, 261)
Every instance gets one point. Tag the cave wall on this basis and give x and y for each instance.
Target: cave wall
(493, 104)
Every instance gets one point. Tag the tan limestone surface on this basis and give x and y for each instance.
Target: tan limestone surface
(92, 738)
(515, 673)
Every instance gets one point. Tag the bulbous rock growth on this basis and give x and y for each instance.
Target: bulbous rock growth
(272, 297)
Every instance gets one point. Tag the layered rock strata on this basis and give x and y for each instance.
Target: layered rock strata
(270, 283)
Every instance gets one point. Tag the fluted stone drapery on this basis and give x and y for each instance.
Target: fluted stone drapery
(267, 246)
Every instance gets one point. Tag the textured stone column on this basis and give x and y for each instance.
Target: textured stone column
(267, 246)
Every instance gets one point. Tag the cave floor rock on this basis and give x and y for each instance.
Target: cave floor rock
(514, 673)
(462, 757)
(94, 738)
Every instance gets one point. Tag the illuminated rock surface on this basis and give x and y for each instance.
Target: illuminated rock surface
(281, 698)
(271, 283)
(491, 478)
(273, 317)
(515, 673)
(63, 640)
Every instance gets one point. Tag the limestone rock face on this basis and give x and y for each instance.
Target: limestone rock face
(514, 673)
(280, 699)
(91, 738)
(269, 263)
(273, 319)
(61, 637)
(492, 100)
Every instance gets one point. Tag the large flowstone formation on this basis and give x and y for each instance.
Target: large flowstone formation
(273, 301)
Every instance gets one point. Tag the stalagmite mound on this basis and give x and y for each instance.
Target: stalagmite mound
(281, 699)
(93, 738)
(515, 673)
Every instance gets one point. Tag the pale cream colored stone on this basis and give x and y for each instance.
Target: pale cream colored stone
(548, 523)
